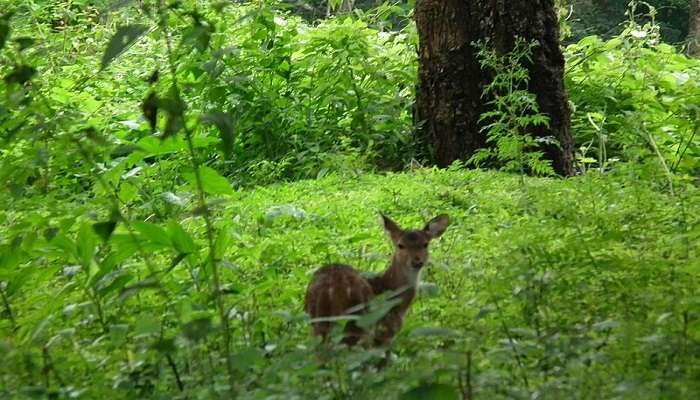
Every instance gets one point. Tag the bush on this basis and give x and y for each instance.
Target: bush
(635, 99)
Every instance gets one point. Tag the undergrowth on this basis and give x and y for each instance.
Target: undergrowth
(582, 288)
(150, 249)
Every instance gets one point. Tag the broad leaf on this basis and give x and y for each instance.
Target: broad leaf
(124, 37)
(182, 241)
(86, 243)
(153, 233)
(212, 182)
(104, 229)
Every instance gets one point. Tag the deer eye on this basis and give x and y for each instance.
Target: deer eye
(425, 246)
(401, 246)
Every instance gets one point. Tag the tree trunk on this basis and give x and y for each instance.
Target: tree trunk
(694, 29)
(449, 99)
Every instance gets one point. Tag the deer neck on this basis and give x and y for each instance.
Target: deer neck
(397, 277)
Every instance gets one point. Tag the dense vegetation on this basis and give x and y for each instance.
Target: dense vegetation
(173, 174)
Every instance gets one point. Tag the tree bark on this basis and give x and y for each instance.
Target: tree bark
(449, 99)
(694, 29)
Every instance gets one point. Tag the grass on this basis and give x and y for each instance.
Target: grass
(583, 288)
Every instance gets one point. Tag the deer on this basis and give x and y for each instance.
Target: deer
(337, 290)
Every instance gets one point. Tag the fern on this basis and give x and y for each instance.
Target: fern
(514, 111)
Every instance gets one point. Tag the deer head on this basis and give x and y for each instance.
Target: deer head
(411, 246)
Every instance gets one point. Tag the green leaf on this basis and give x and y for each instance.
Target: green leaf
(147, 325)
(148, 283)
(223, 242)
(175, 262)
(172, 198)
(212, 182)
(432, 391)
(104, 229)
(173, 124)
(63, 242)
(432, 332)
(379, 309)
(246, 358)
(153, 233)
(226, 130)
(199, 34)
(117, 283)
(118, 334)
(86, 243)
(124, 37)
(182, 241)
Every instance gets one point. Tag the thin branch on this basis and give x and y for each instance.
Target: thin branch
(206, 214)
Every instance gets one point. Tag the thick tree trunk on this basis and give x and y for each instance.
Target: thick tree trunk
(449, 99)
(694, 29)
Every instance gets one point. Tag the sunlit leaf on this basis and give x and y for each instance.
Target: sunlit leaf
(153, 233)
(86, 243)
(172, 198)
(212, 182)
(182, 241)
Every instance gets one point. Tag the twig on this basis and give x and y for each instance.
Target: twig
(173, 367)
(206, 214)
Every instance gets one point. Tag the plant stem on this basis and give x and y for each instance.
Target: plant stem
(6, 303)
(173, 367)
(516, 353)
(662, 161)
(206, 214)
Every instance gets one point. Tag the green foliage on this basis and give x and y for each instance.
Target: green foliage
(606, 18)
(301, 101)
(514, 112)
(135, 264)
(583, 288)
(636, 99)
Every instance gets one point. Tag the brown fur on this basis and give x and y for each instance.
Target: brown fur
(334, 289)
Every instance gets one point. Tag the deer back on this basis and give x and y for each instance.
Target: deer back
(334, 289)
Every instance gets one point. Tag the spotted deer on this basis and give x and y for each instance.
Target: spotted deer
(338, 289)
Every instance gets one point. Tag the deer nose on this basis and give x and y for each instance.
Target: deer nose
(417, 264)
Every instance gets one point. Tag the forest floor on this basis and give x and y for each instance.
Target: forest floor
(578, 288)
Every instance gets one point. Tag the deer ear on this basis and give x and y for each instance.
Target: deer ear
(391, 228)
(437, 226)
